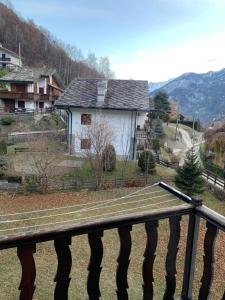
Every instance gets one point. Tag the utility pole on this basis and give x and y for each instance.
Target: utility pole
(20, 61)
(193, 130)
(177, 122)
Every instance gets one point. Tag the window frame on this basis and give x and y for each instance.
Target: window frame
(85, 119)
(21, 102)
(85, 144)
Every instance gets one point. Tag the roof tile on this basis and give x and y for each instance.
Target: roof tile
(121, 94)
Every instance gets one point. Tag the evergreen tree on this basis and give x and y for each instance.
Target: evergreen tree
(162, 104)
(189, 176)
(146, 162)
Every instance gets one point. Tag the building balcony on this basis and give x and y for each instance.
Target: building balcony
(141, 134)
(190, 208)
(26, 96)
(4, 59)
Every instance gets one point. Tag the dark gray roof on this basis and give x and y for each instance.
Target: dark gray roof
(121, 94)
(30, 75)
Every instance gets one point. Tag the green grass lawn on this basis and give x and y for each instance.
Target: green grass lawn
(46, 260)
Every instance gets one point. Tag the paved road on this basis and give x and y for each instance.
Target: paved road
(188, 144)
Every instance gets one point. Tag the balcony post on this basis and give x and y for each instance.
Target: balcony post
(191, 247)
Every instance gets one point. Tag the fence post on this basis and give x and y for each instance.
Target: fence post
(189, 267)
(191, 248)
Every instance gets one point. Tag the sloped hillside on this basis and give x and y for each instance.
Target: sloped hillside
(199, 95)
(39, 47)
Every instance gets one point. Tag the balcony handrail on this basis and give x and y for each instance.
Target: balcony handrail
(44, 235)
(62, 236)
(211, 216)
(30, 95)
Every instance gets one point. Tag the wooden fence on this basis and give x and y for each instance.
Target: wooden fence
(214, 179)
(79, 183)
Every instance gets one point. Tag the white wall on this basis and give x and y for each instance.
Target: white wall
(28, 105)
(13, 59)
(141, 118)
(122, 124)
(30, 88)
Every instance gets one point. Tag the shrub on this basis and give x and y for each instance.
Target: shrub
(146, 162)
(3, 162)
(7, 120)
(31, 184)
(17, 179)
(2, 174)
(107, 186)
(132, 183)
(3, 147)
(109, 158)
(156, 145)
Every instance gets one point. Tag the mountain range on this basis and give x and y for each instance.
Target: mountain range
(198, 95)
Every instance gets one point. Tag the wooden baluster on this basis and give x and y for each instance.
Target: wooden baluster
(94, 267)
(147, 271)
(209, 245)
(223, 298)
(171, 258)
(123, 262)
(62, 278)
(27, 284)
(190, 255)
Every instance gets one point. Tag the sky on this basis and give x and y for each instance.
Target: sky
(154, 40)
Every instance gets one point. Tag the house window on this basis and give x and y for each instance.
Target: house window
(21, 104)
(41, 91)
(41, 105)
(85, 144)
(86, 119)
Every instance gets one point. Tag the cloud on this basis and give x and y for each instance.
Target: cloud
(156, 65)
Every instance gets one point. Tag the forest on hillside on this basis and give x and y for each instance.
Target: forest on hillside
(215, 144)
(40, 48)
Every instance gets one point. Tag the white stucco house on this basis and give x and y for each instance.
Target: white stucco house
(123, 104)
(9, 59)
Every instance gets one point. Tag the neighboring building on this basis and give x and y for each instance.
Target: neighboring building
(9, 59)
(122, 103)
(30, 90)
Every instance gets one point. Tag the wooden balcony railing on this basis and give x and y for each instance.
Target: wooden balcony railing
(26, 247)
(26, 96)
(141, 134)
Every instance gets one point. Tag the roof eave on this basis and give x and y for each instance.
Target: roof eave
(16, 81)
(66, 106)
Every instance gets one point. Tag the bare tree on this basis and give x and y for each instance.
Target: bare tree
(43, 161)
(125, 146)
(95, 138)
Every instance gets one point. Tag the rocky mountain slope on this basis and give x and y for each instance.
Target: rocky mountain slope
(198, 95)
(157, 85)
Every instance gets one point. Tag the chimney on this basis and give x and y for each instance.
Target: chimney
(101, 91)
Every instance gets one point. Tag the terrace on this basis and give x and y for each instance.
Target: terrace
(123, 220)
(26, 96)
